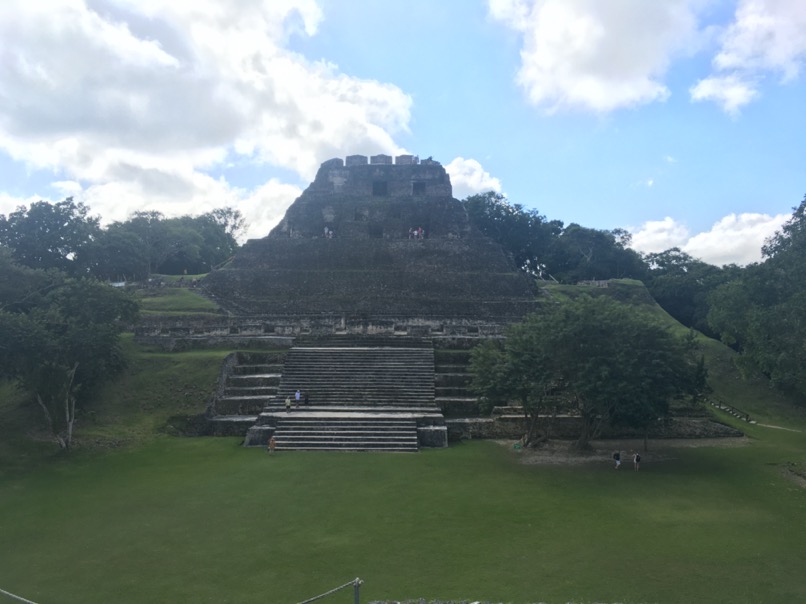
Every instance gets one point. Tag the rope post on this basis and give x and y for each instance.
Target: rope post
(356, 589)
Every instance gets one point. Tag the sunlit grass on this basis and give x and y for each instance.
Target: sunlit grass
(174, 300)
(204, 520)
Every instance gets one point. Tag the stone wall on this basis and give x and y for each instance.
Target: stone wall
(439, 277)
(404, 175)
(279, 331)
(567, 428)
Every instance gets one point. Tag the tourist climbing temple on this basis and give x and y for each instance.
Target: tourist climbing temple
(365, 298)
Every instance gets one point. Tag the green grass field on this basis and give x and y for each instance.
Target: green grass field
(135, 514)
(204, 520)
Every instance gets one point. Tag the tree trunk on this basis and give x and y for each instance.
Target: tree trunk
(65, 440)
(70, 407)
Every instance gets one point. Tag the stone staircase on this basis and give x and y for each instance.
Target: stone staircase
(451, 381)
(248, 382)
(346, 431)
(363, 394)
(377, 376)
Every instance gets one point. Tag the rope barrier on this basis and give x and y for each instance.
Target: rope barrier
(355, 583)
(15, 597)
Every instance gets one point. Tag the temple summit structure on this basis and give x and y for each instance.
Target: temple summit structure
(376, 246)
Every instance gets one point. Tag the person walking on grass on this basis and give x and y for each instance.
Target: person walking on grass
(636, 461)
(617, 459)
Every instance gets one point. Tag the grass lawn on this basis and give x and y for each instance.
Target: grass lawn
(177, 300)
(204, 520)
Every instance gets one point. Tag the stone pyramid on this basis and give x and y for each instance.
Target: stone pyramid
(376, 245)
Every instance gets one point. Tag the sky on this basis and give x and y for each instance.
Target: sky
(681, 121)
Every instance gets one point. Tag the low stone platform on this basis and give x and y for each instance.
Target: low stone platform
(349, 428)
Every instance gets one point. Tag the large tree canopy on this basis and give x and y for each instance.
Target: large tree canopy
(546, 249)
(59, 336)
(761, 313)
(63, 236)
(186, 244)
(49, 235)
(611, 364)
(525, 234)
(579, 253)
(681, 284)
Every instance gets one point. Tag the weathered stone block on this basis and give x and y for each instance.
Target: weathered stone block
(432, 436)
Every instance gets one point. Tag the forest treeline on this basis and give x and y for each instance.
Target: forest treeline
(758, 310)
(64, 236)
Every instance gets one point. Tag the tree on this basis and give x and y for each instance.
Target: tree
(115, 255)
(185, 244)
(612, 365)
(62, 341)
(21, 288)
(579, 253)
(681, 284)
(514, 369)
(49, 235)
(526, 235)
(761, 312)
(150, 228)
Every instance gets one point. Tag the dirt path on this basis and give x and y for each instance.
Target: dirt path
(561, 453)
(779, 428)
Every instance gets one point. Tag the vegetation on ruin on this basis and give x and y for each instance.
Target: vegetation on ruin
(604, 361)
(174, 300)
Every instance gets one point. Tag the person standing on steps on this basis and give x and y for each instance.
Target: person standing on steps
(297, 396)
(287, 404)
(617, 459)
(305, 399)
(636, 461)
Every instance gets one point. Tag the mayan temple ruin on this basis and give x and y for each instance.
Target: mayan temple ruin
(373, 275)
(376, 247)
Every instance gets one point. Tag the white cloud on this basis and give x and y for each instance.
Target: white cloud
(766, 36)
(594, 55)
(266, 205)
(731, 92)
(735, 239)
(468, 177)
(659, 235)
(262, 207)
(138, 101)
(9, 203)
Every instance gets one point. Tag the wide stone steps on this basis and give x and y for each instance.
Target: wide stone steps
(346, 434)
(273, 369)
(362, 375)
